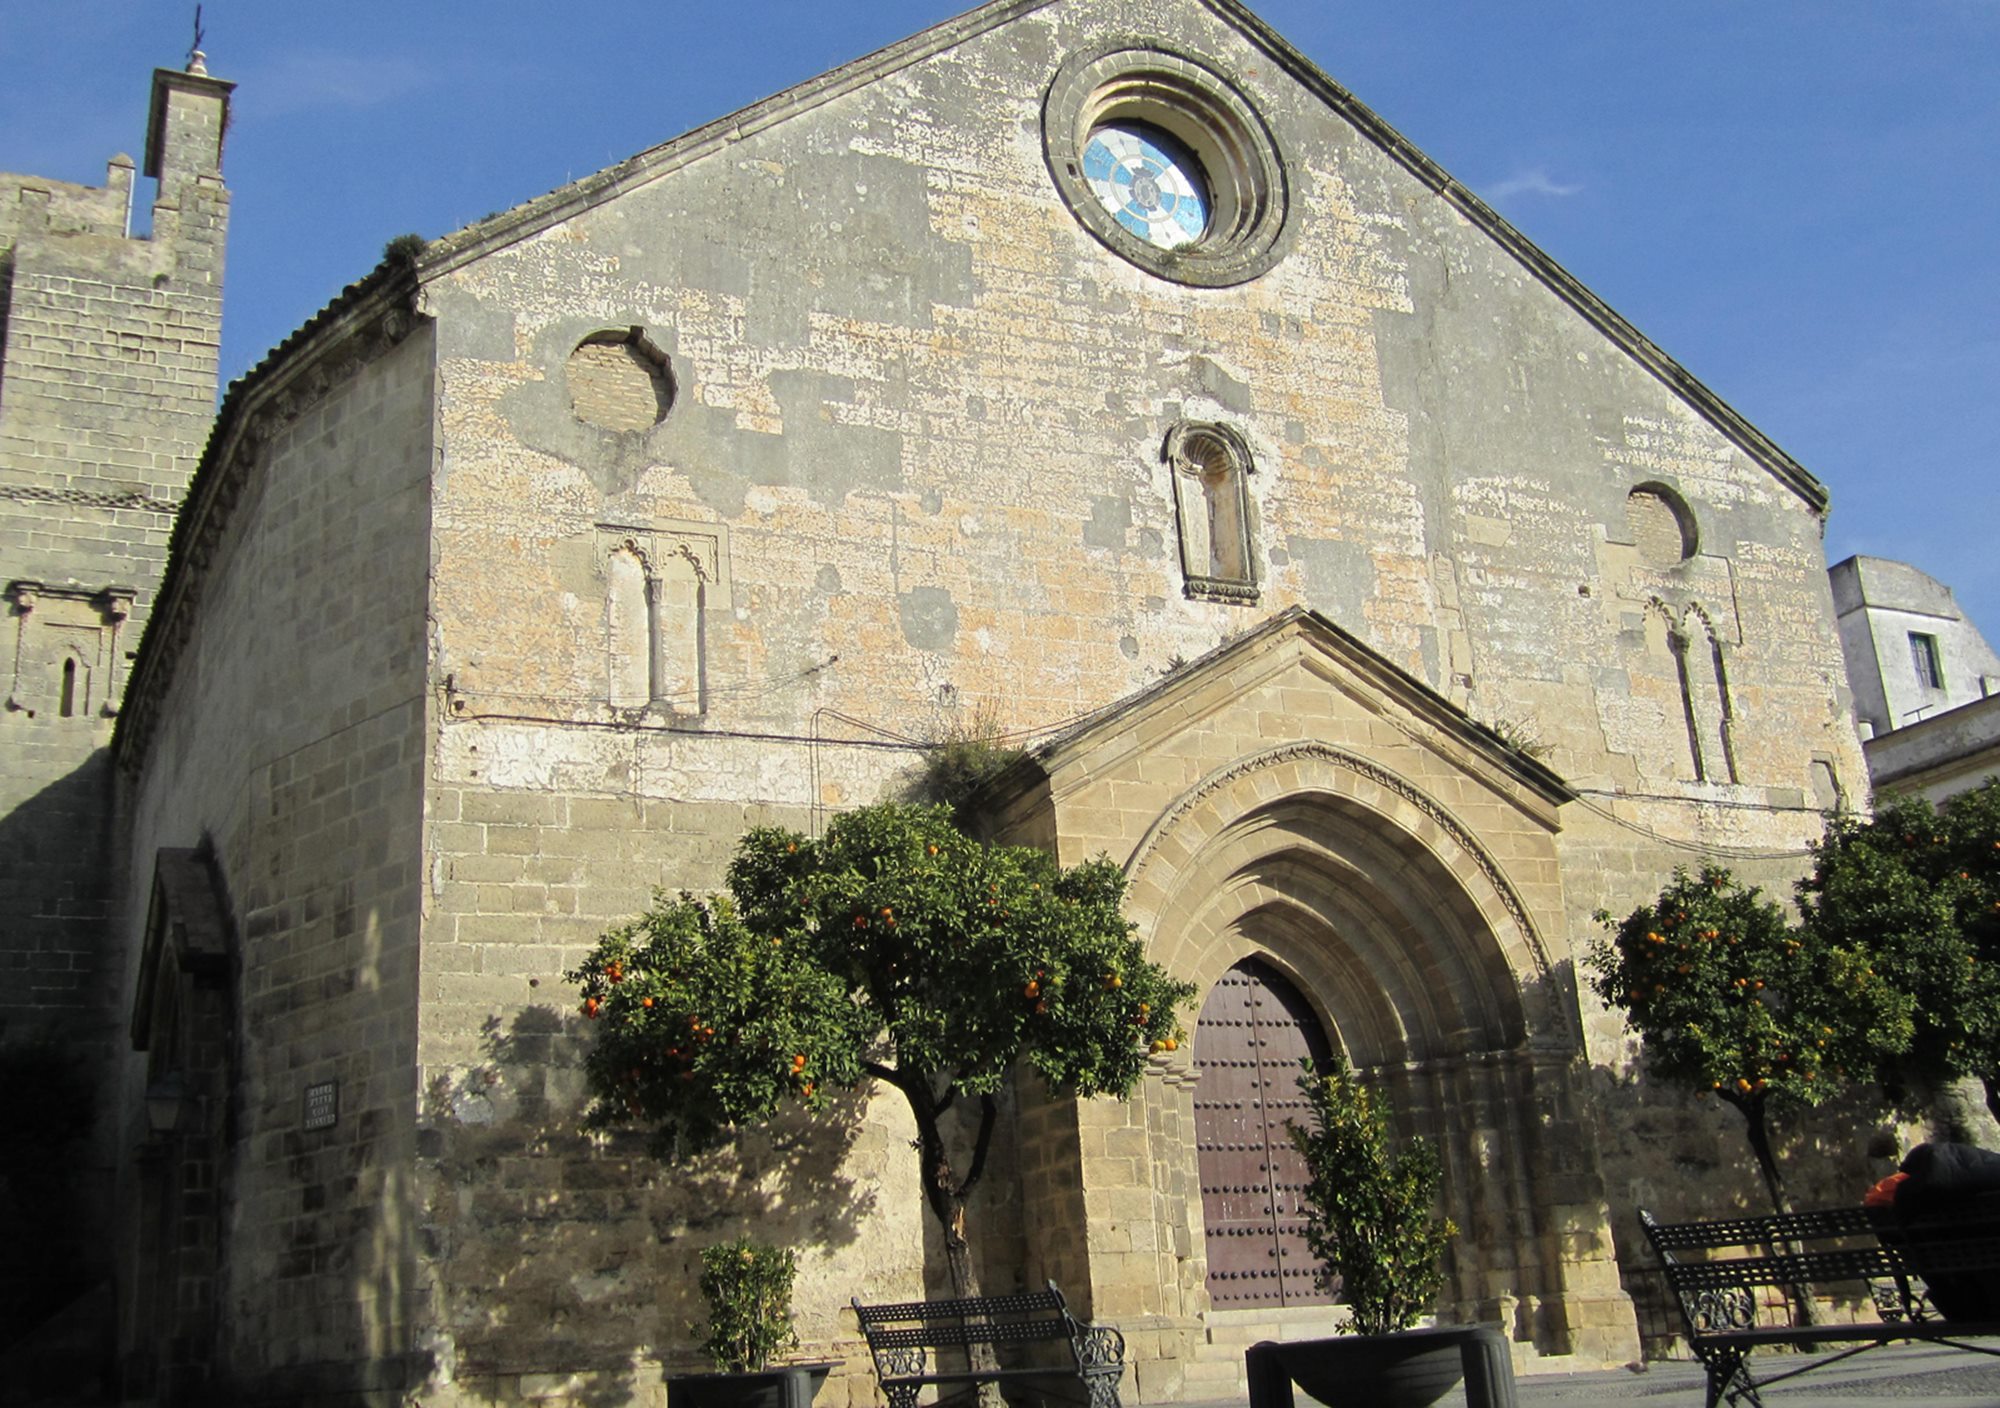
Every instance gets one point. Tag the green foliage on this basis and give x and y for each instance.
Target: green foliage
(965, 759)
(1919, 888)
(705, 1023)
(748, 1287)
(894, 946)
(1521, 737)
(1369, 1216)
(404, 249)
(1729, 996)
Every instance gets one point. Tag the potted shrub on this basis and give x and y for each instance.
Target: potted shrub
(748, 1288)
(1371, 1221)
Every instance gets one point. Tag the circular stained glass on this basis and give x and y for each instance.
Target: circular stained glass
(1151, 184)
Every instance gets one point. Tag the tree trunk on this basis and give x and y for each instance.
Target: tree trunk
(1760, 1144)
(1962, 1112)
(946, 1196)
(947, 1200)
(1767, 1163)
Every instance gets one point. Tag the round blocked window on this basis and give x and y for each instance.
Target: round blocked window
(1167, 164)
(1661, 526)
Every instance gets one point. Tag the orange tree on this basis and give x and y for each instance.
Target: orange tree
(894, 949)
(1731, 998)
(1919, 887)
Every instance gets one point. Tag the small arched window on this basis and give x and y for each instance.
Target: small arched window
(1211, 471)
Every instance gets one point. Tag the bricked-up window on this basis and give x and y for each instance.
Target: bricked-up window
(619, 380)
(1661, 525)
(1924, 655)
(656, 591)
(1211, 470)
(1688, 636)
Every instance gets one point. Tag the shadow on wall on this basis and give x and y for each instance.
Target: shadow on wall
(59, 1037)
(46, 1105)
(1682, 1157)
(556, 1250)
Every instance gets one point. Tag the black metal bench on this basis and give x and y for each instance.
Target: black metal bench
(1729, 1302)
(905, 1340)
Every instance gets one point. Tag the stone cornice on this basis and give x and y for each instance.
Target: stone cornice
(1348, 665)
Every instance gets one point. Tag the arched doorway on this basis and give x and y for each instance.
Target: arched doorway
(1254, 1030)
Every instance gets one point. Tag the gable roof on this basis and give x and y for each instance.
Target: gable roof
(394, 286)
(523, 221)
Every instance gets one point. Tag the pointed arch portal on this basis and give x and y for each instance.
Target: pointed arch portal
(1386, 882)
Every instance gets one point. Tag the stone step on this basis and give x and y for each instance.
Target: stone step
(1238, 1329)
(1212, 1377)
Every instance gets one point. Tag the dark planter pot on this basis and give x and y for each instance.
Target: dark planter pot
(785, 1386)
(1409, 1369)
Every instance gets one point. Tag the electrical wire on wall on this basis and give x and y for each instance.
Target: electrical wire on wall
(867, 735)
(1584, 798)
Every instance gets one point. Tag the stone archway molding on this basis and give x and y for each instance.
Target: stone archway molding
(1211, 805)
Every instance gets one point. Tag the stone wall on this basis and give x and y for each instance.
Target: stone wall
(108, 349)
(913, 464)
(287, 731)
(723, 529)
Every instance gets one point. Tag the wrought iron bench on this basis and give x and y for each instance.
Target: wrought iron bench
(1728, 1302)
(905, 1340)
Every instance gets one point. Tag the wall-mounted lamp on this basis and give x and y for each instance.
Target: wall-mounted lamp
(165, 1097)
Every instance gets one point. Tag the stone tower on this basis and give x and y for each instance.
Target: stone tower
(108, 352)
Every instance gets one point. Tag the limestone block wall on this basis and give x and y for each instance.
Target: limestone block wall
(920, 474)
(551, 1255)
(108, 349)
(905, 470)
(288, 732)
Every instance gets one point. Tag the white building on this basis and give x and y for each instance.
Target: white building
(1926, 683)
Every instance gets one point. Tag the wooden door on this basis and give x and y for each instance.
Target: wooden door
(1253, 1031)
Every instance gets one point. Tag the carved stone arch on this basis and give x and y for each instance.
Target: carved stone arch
(631, 543)
(1404, 935)
(184, 1020)
(1227, 796)
(1286, 947)
(685, 551)
(1392, 956)
(1211, 466)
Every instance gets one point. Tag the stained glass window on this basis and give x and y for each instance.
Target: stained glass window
(1151, 184)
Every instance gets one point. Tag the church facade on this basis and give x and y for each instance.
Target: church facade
(1098, 377)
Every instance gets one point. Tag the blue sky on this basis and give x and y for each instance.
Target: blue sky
(1797, 199)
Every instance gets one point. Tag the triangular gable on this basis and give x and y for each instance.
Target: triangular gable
(1099, 743)
(526, 220)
